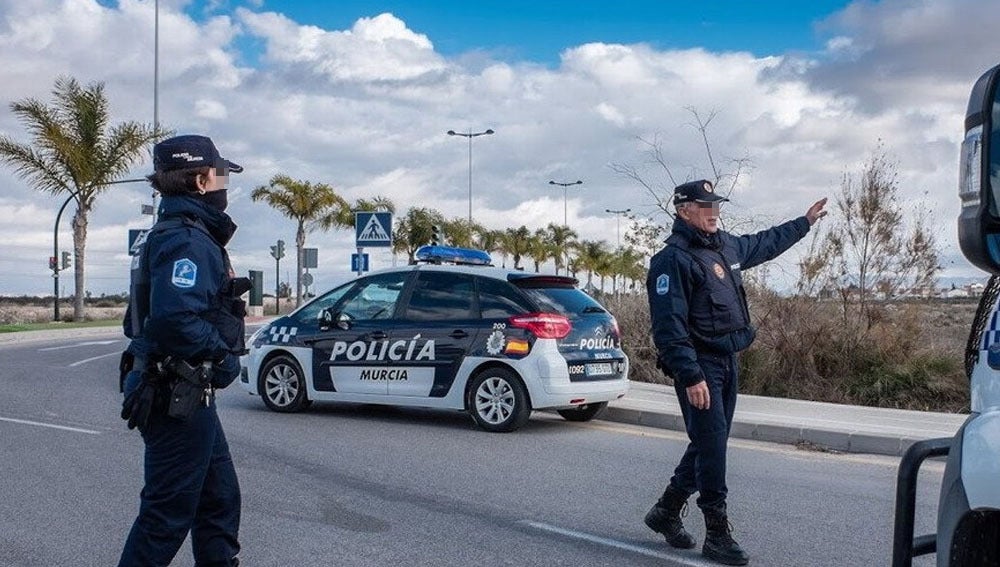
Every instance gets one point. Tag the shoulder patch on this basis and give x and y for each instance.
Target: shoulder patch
(662, 284)
(185, 273)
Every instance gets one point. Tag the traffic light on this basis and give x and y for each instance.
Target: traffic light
(278, 250)
(437, 238)
(52, 263)
(65, 260)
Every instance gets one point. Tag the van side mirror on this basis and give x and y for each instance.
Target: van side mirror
(979, 175)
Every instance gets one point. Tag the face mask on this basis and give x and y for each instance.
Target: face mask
(218, 200)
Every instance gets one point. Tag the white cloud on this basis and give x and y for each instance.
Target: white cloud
(366, 110)
(374, 49)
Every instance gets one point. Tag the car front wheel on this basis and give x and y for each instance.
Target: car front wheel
(282, 385)
(498, 401)
(586, 412)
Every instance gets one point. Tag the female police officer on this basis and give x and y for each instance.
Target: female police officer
(700, 321)
(185, 320)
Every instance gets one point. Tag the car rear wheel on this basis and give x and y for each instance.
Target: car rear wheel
(282, 385)
(498, 401)
(586, 412)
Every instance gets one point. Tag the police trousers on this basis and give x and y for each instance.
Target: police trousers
(190, 486)
(702, 469)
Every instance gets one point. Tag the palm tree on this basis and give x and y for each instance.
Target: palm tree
(540, 248)
(461, 232)
(413, 230)
(591, 257)
(490, 240)
(518, 242)
(561, 237)
(310, 205)
(627, 263)
(343, 217)
(75, 150)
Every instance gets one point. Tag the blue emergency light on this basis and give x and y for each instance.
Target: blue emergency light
(453, 255)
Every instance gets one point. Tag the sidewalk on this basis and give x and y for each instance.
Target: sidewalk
(852, 429)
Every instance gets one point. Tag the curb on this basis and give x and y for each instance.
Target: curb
(824, 439)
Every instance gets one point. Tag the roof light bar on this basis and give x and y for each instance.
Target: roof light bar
(453, 255)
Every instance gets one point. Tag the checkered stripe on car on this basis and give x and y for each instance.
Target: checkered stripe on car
(283, 334)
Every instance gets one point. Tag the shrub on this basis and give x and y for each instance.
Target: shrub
(903, 355)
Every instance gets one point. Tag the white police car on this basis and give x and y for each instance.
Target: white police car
(493, 342)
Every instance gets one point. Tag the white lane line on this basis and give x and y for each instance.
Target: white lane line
(611, 543)
(86, 360)
(86, 343)
(51, 425)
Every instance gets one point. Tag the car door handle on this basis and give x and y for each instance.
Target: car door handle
(458, 334)
(377, 335)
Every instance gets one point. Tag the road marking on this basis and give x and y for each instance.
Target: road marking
(79, 362)
(74, 345)
(51, 425)
(611, 543)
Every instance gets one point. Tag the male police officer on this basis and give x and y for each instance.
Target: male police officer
(700, 321)
(185, 320)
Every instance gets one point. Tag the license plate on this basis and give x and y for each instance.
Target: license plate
(600, 369)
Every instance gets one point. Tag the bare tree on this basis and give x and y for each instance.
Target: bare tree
(725, 180)
(868, 252)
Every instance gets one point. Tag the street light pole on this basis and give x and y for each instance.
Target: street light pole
(619, 213)
(156, 65)
(564, 186)
(470, 135)
(55, 246)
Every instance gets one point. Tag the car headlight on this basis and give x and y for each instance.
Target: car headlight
(257, 338)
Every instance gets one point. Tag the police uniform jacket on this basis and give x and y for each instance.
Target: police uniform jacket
(697, 302)
(184, 271)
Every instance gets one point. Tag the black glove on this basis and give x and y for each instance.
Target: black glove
(225, 371)
(235, 287)
(138, 405)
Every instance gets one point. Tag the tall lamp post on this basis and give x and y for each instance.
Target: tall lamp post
(619, 213)
(470, 135)
(564, 187)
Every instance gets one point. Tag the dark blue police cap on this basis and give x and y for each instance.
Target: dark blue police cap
(188, 151)
(692, 191)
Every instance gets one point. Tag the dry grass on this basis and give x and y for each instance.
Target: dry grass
(905, 355)
(13, 314)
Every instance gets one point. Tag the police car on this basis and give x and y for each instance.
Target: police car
(449, 332)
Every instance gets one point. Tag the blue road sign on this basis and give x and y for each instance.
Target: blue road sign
(359, 262)
(134, 240)
(373, 229)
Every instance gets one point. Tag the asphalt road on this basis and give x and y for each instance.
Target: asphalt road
(357, 485)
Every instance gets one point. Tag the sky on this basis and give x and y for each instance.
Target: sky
(360, 95)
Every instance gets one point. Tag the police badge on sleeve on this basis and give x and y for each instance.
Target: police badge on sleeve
(662, 284)
(185, 273)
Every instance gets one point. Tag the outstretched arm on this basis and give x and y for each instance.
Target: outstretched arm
(755, 249)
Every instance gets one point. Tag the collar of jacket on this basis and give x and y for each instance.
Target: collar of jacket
(218, 223)
(695, 237)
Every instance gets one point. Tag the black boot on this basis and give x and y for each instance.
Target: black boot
(665, 517)
(719, 543)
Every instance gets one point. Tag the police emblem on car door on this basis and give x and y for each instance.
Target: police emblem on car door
(439, 325)
(352, 350)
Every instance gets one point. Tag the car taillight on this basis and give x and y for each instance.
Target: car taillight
(542, 325)
(614, 327)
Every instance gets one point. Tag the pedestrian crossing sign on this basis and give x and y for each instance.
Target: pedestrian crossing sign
(373, 229)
